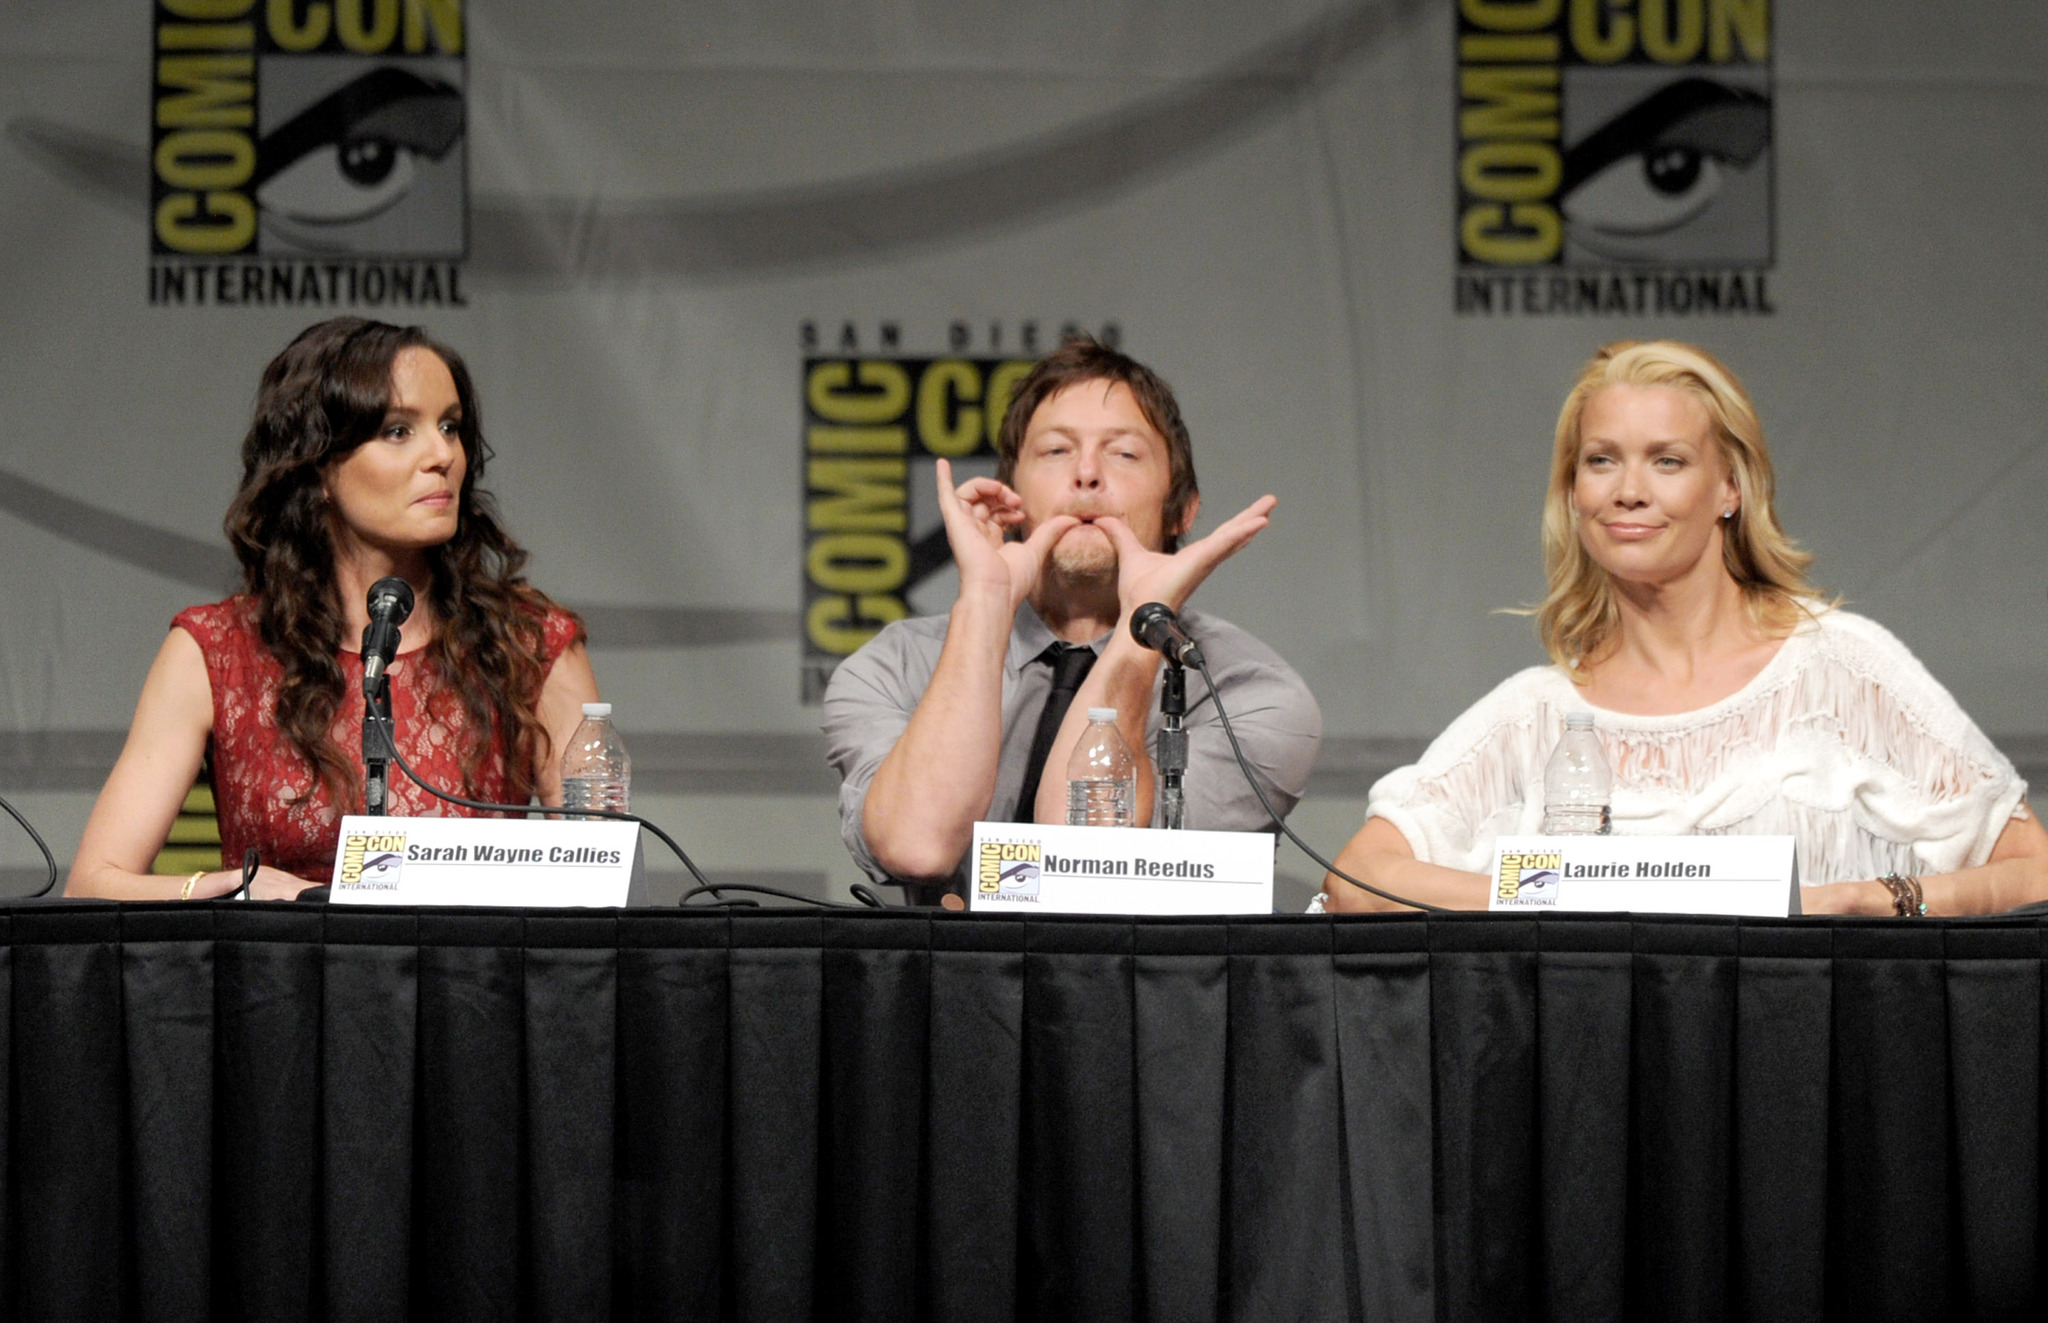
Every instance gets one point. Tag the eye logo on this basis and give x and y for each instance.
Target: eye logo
(1614, 157)
(1019, 881)
(351, 155)
(1676, 176)
(370, 164)
(309, 132)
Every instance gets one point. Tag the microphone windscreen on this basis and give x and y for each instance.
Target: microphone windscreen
(1145, 622)
(391, 598)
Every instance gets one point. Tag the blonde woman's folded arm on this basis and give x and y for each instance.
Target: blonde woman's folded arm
(1381, 855)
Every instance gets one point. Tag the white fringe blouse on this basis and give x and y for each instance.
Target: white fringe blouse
(1843, 741)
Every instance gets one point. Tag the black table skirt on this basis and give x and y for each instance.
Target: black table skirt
(285, 1112)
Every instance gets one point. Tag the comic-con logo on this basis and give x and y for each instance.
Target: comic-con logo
(1009, 870)
(1614, 156)
(1529, 879)
(326, 131)
(371, 862)
(875, 428)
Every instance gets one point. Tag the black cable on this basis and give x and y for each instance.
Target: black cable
(524, 809)
(251, 860)
(718, 890)
(37, 837)
(1244, 765)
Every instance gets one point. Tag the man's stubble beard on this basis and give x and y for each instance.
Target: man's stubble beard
(1087, 567)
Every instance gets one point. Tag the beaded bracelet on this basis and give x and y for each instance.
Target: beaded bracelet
(1907, 900)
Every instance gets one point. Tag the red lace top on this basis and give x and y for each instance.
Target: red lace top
(257, 774)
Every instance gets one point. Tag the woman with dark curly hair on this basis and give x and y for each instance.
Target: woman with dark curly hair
(363, 461)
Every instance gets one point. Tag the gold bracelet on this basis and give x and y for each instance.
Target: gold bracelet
(191, 882)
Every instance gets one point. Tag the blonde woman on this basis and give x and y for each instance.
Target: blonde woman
(1730, 697)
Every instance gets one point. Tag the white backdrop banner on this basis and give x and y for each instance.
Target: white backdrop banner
(732, 278)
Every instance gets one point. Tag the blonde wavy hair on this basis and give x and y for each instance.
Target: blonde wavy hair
(1579, 615)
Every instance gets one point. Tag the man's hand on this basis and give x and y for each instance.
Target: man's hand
(1144, 575)
(977, 516)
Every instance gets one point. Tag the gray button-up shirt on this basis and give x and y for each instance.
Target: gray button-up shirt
(874, 692)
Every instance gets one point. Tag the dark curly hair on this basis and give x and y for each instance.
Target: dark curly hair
(325, 395)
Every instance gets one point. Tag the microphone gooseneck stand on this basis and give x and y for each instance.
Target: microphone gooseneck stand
(389, 606)
(1171, 747)
(378, 746)
(1156, 626)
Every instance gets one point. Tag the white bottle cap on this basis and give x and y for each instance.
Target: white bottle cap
(1102, 714)
(1574, 720)
(597, 709)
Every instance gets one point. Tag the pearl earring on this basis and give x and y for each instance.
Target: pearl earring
(1727, 514)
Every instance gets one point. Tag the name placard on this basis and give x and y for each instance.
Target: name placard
(1755, 875)
(1044, 868)
(484, 861)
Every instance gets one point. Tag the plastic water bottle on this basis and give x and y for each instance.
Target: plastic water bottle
(596, 770)
(1102, 776)
(1578, 788)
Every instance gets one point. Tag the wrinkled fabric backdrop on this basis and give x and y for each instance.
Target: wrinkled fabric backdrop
(676, 214)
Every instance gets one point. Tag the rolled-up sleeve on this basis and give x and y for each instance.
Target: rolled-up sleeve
(868, 703)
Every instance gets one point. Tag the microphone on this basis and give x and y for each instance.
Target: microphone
(1158, 628)
(390, 604)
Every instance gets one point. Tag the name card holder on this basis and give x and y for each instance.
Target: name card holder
(1750, 875)
(488, 861)
(1043, 868)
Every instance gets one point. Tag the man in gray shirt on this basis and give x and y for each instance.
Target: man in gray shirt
(939, 722)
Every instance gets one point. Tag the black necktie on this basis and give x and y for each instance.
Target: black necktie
(1070, 663)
